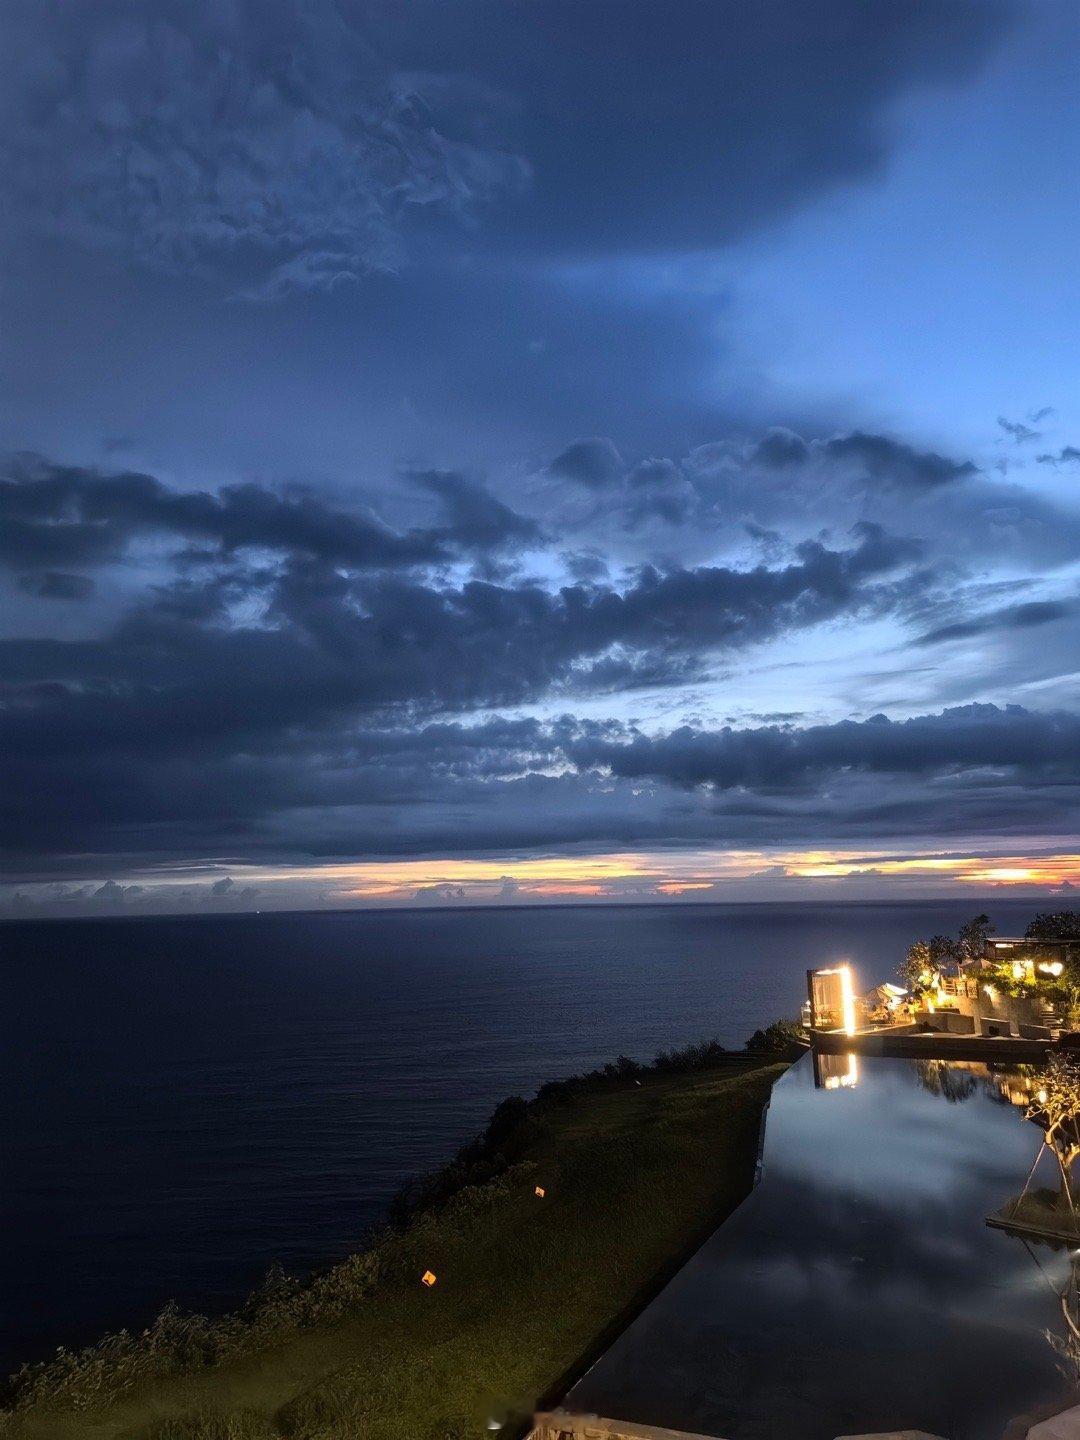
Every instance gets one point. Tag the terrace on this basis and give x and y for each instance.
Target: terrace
(1013, 999)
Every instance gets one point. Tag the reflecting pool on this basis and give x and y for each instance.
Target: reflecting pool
(859, 1287)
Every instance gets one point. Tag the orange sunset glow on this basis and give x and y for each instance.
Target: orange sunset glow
(691, 875)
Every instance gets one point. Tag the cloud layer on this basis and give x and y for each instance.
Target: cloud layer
(478, 434)
(268, 146)
(286, 147)
(263, 675)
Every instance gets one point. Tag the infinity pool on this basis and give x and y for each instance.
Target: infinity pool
(859, 1288)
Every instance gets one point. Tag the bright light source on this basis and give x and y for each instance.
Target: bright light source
(847, 995)
(539, 1192)
(847, 998)
(428, 1278)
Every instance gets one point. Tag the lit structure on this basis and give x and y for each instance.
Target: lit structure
(831, 993)
(1047, 958)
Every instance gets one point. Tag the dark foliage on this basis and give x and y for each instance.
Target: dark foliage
(783, 1038)
(1054, 925)
(508, 1132)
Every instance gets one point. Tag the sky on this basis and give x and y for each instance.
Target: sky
(482, 451)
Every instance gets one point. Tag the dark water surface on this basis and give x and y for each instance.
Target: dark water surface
(858, 1289)
(186, 1101)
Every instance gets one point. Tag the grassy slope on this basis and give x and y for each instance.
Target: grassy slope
(527, 1288)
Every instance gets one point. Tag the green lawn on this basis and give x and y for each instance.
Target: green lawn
(528, 1289)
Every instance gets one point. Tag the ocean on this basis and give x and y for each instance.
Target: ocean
(189, 1100)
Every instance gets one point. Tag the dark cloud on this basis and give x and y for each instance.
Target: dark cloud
(652, 473)
(182, 711)
(1022, 434)
(226, 891)
(892, 462)
(331, 641)
(683, 148)
(780, 447)
(52, 513)
(586, 565)
(590, 462)
(285, 146)
(659, 490)
(267, 146)
(505, 784)
(1067, 455)
(113, 894)
(781, 472)
(970, 737)
(284, 677)
(56, 585)
(475, 519)
(1013, 617)
(439, 893)
(653, 488)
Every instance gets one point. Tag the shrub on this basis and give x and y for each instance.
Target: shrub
(508, 1132)
(782, 1037)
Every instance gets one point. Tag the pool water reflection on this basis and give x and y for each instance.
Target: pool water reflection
(859, 1288)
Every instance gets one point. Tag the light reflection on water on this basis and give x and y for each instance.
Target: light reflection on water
(859, 1287)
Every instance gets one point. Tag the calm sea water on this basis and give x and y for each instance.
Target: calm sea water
(187, 1101)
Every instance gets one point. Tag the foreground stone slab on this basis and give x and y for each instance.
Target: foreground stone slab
(893, 1435)
(565, 1425)
(1064, 1426)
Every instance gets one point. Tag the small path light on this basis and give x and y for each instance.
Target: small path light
(428, 1278)
(539, 1192)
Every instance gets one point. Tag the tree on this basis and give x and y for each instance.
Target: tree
(1056, 1110)
(782, 1037)
(971, 944)
(921, 967)
(1066, 996)
(944, 951)
(1054, 925)
(916, 968)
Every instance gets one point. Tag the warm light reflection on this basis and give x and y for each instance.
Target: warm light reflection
(833, 1079)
